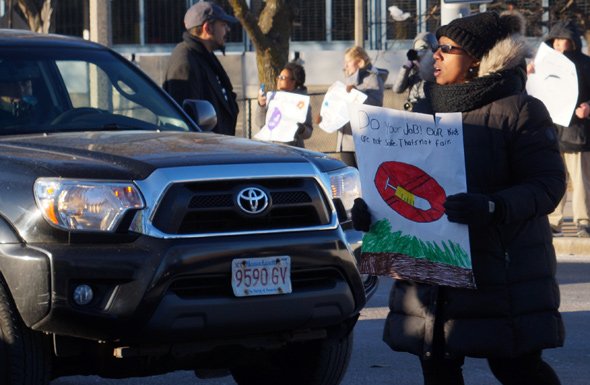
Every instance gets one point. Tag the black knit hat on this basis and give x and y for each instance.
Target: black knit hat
(477, 34)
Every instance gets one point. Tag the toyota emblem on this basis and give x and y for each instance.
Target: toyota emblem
(252, 200)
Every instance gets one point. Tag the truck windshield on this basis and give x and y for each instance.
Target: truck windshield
(53, 90)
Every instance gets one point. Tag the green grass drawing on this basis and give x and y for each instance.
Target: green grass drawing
(381, 239)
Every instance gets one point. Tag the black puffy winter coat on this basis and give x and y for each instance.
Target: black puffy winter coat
(511, 152)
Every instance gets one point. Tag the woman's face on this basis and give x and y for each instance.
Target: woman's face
(351, 65)
(285, 81)
(452, 67)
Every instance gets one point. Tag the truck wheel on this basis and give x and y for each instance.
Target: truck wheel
(322, 362)
(23, 355)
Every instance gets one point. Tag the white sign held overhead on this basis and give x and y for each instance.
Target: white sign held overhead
(554, 82)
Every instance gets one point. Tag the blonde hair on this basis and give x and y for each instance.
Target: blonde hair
(359, 53)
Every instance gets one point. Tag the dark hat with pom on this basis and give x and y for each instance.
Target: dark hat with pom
(477, 34)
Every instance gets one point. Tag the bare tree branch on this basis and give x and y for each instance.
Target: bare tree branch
(38, 15)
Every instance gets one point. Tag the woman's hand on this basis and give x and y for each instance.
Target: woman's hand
(261, 98)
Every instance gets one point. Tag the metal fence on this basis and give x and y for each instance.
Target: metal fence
(160, 22)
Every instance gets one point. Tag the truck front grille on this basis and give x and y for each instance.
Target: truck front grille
(211, 206)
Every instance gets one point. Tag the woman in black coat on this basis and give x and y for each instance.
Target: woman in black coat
(515, 178)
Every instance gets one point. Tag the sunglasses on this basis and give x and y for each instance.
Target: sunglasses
(281, 77)
(447, 48)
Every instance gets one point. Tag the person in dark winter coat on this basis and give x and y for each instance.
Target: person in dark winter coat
(291, 79)
(574, 140)
(417, 70)
(515, 178)
(194, 72)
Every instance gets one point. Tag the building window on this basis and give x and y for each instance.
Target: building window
(309, 21)
(164, 21)
(125, 22)
(343, 19)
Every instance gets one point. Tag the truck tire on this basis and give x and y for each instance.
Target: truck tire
(320, 362)
(23, 354)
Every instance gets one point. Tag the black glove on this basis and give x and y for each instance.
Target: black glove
(361, 217)
(412, 54)
(472, 209)
(300, 129)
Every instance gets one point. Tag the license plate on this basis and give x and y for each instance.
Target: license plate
(261, 276)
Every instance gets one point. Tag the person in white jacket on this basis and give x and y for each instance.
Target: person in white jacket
(360, 74)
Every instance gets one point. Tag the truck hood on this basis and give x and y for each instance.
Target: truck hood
(135, 154)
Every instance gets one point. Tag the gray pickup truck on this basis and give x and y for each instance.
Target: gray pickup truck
(132, 243)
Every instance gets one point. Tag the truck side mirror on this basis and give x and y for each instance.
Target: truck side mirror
(202, 112)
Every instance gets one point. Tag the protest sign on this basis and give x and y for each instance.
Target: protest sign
(555, 83)
(285, 110)
(409, 163)
(334, 110)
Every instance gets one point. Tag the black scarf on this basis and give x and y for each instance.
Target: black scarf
(475, 93)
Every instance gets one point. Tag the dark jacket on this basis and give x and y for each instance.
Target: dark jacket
(575, 137)
(511, 153)
(305, 128)
(195, 73)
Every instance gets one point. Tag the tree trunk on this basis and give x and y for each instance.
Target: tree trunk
(270, 33)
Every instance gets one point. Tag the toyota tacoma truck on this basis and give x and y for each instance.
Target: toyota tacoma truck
(135, 243)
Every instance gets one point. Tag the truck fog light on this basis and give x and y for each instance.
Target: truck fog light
(83, 294)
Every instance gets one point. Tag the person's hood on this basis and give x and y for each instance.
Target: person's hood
(508, 53)
(565, 30)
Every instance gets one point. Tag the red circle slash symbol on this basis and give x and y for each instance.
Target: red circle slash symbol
(410, 191)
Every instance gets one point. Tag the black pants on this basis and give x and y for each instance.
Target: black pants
(529, 369)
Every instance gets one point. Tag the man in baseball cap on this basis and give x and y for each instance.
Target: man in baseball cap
(194, 72)
(204, 11)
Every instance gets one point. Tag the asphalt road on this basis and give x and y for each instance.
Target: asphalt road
(373, 362)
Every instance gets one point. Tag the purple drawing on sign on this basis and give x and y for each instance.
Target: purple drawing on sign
(275, 119)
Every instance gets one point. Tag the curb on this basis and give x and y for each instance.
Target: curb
(571, 245)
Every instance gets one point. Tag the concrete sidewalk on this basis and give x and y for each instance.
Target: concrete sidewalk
(570, 244)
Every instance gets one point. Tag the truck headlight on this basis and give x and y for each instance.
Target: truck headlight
(346, 186)
(85, 205)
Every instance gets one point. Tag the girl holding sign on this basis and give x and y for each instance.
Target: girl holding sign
(291, 79)
(515, 178)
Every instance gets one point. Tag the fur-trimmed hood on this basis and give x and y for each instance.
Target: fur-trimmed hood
(506, 54)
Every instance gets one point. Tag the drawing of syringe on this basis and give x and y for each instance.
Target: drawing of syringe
(408, 197)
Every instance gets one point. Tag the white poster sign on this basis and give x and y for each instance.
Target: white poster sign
(555, 83)
(409, 163)
(334, 110)
(285, 110)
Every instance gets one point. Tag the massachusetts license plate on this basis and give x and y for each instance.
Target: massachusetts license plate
(261, 276)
